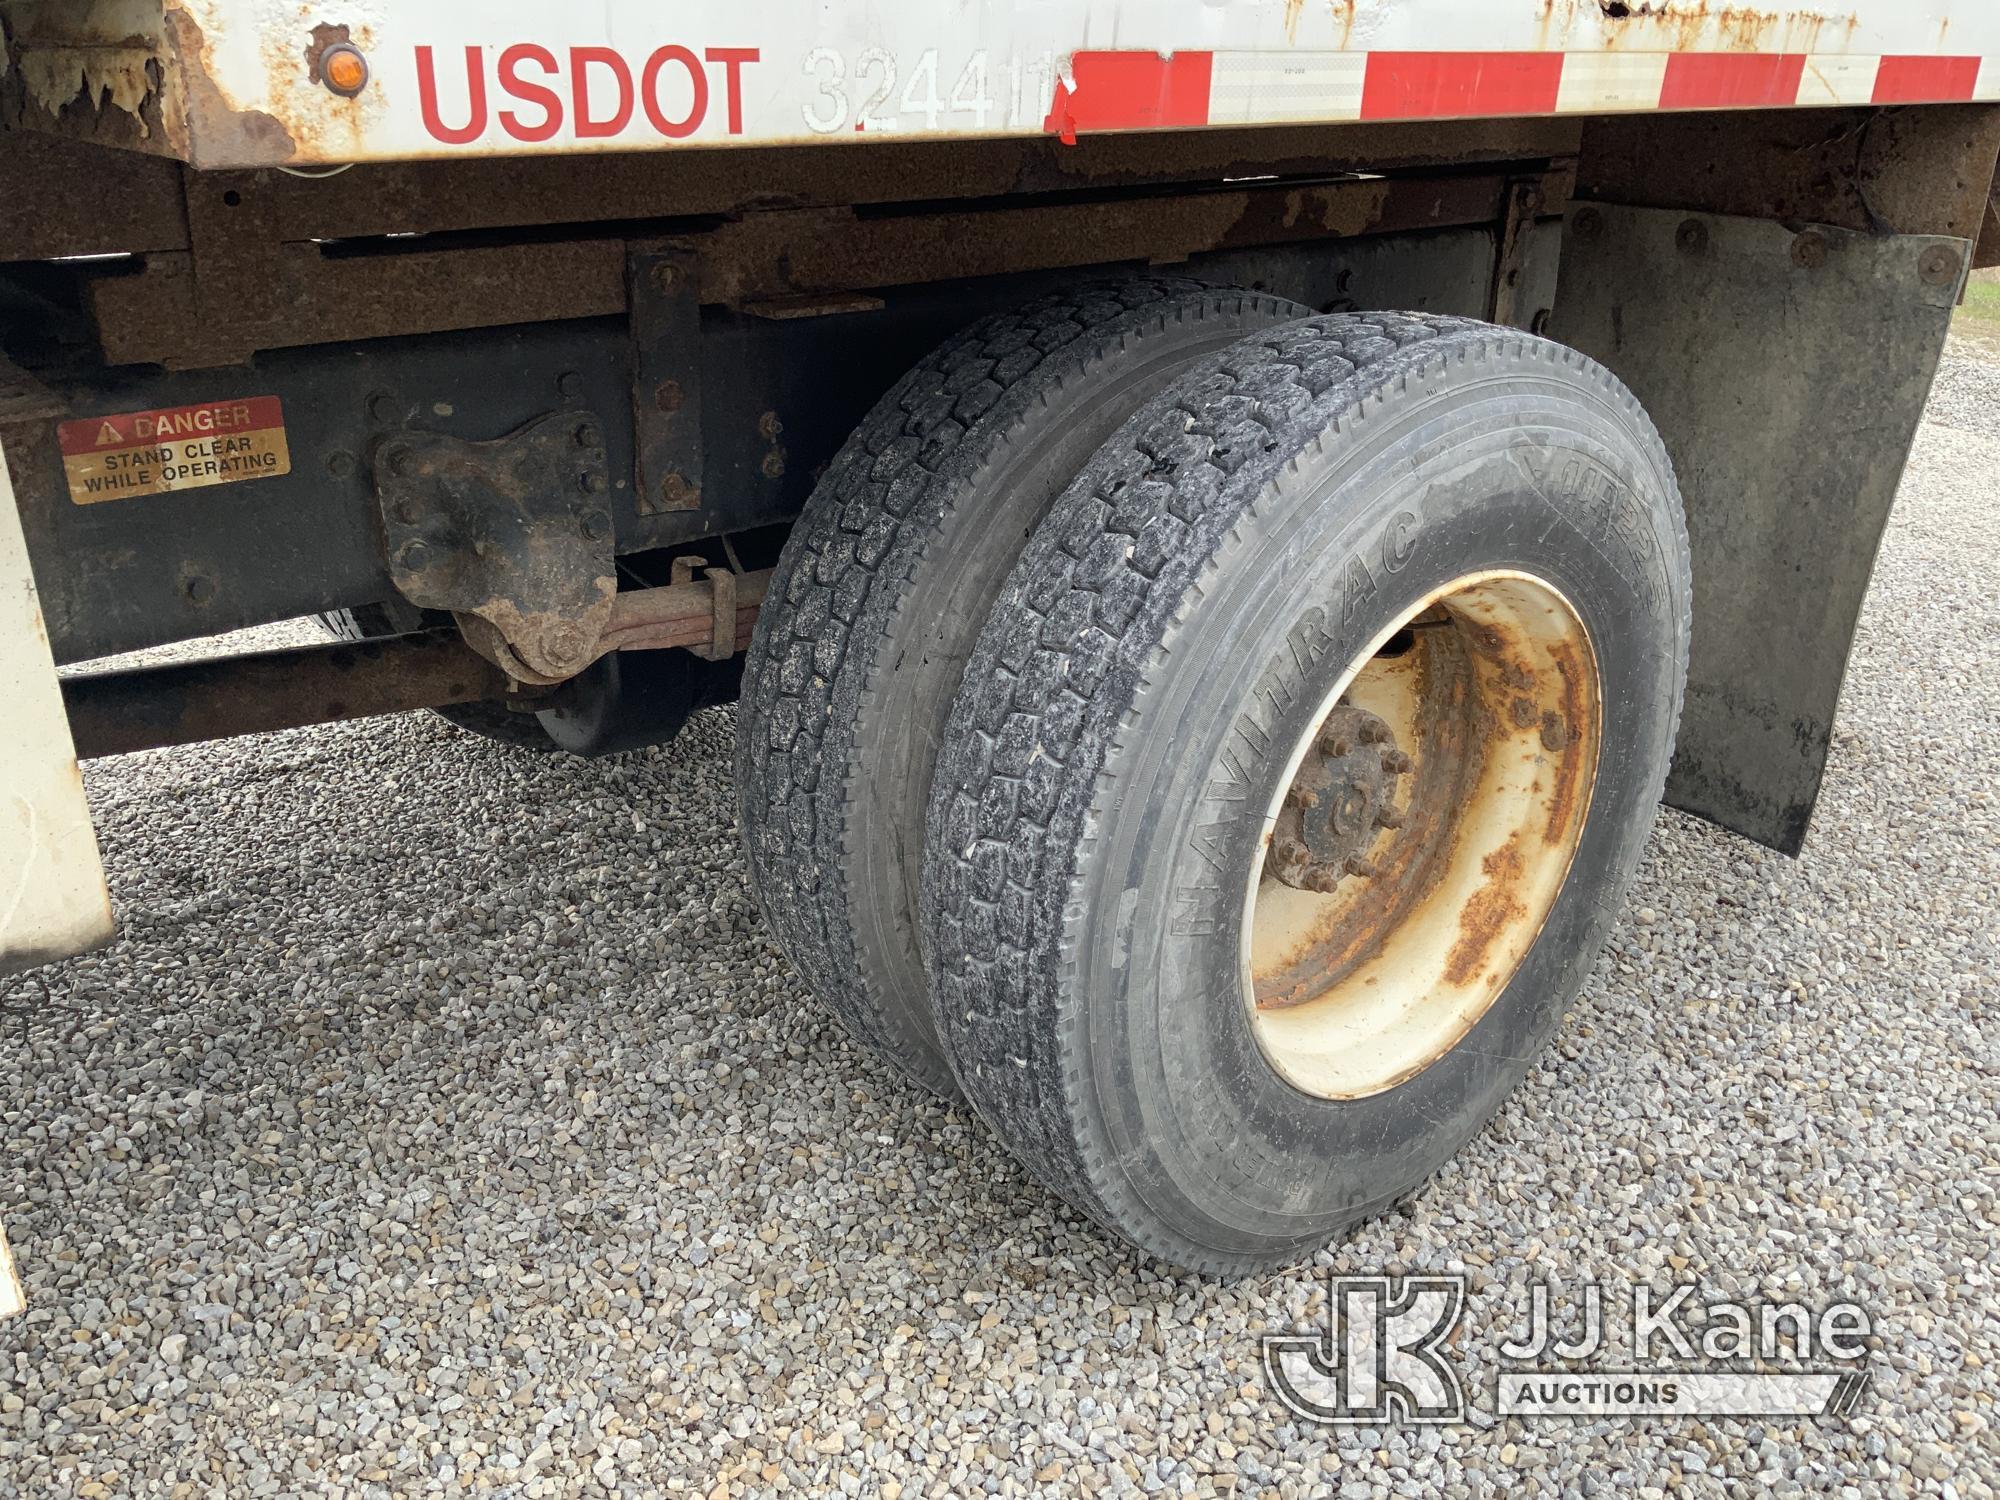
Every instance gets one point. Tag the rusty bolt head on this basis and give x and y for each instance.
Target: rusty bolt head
(666, 277)
(1321, 879)
(1692, 237)
(1291, 852)
(1395, 762)
(199, 589)
(1335, 745)
(1939, 266)
(1388, 817)
(415, 556)
(588, 436)
(774, 464)
(678, 493)
(768, 426)
(1586, 223)
(1357, 864)
(668, 396)
(597, 525)
(396, 460)
(1300, 798)
(404, 511)
(564, 644)
(569, 383)
(594, 481)
(1809, 250)
(1374, 732)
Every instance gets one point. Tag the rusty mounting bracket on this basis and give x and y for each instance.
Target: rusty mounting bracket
(1526, 197)
(721, 643)
(663, 292)
(513, 536)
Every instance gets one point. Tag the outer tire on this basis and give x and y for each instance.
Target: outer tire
(490, 721)
(1086, 957)
(881, 591)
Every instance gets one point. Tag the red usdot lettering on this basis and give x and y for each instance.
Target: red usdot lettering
(475, 94)
(581, 60)
(650, 92)
(540, 95)
(732, 60)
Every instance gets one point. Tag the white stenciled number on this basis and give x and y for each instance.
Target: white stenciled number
(968, 95)
(875, 60)
(1031, 88)
(927, 104)
(828, 70)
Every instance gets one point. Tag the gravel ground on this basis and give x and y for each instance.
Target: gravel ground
(444, 1122)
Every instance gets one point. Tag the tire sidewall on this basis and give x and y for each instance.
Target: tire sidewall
(1512, 462)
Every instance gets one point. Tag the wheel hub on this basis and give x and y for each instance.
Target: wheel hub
(1341, 799)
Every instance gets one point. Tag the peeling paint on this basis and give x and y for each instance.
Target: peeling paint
(219, 133)
(1694, 26)
(95, 66)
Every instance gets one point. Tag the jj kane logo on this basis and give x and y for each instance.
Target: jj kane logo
(1385, 1355)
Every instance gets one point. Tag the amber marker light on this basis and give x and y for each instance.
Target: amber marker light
(343, 69)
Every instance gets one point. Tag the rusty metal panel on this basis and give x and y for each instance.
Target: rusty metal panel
(230, 83)
(113, 713)
(1787, 370)
(172, 312)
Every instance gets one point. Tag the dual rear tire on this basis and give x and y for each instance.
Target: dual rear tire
(1234, 816)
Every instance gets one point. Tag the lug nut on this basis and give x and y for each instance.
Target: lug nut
(1335, 745)
(1291, 852)
(1356, 864)
(1374, 732)
(1395, 762)
(1321, 879)
(1300, 798)
(1388, 817)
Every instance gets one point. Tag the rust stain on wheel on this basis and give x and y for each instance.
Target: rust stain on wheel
(1427, 823)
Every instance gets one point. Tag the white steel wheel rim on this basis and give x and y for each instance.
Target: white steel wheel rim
(1362, 969)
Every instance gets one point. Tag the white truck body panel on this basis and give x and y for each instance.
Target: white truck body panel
(53, 900)
(242, 85)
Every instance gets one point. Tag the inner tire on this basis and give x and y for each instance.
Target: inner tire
(884, 583)
(1107, 799)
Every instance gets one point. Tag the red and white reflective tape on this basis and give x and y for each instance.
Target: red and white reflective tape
(1146, 90)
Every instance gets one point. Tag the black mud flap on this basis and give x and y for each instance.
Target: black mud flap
(1787, 368)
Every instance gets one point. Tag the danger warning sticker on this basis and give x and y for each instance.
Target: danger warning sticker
(137, 453)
